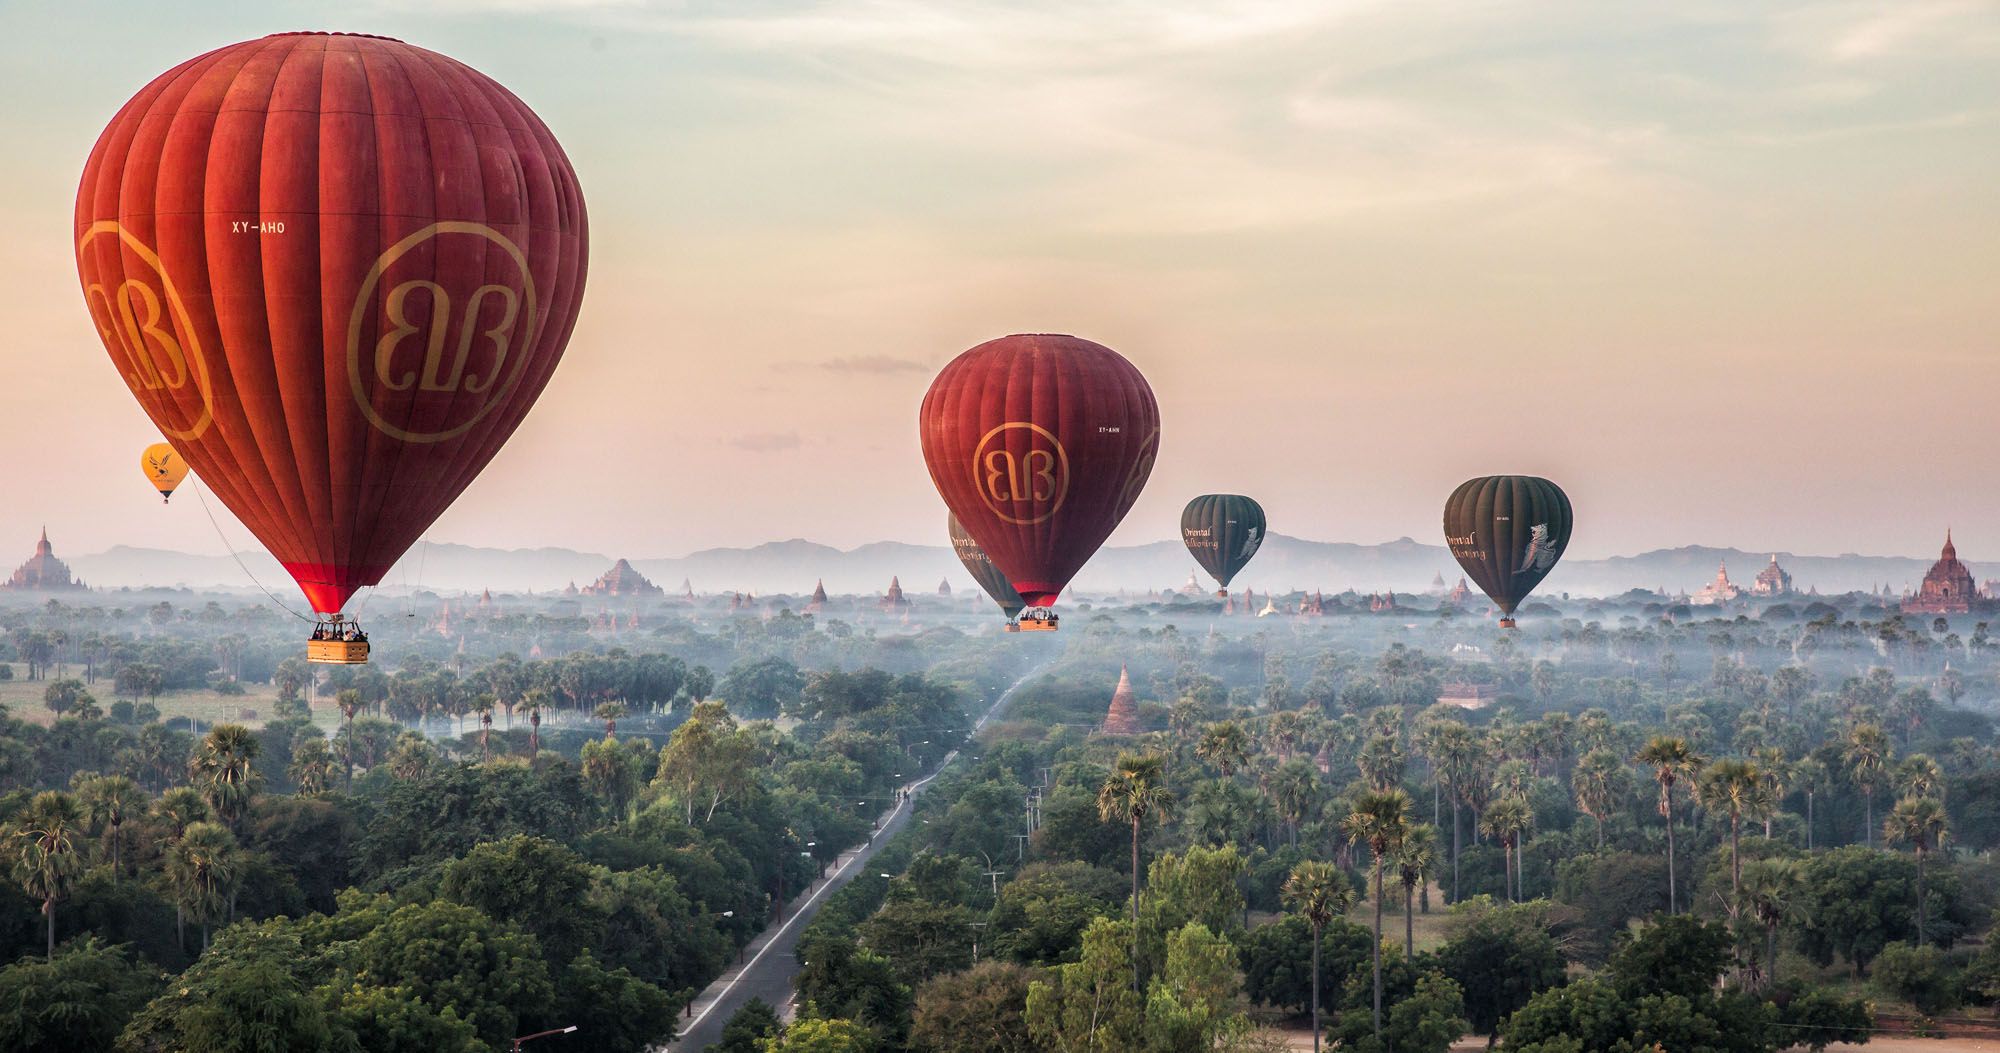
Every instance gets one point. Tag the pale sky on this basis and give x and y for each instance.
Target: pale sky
(1728, 272)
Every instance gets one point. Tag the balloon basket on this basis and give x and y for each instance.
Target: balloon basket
(1506, 623)
(337, 641)
(1037, 620)
(337, 652)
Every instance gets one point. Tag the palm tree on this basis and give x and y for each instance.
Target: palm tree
(1320, 893)
(47, 841)
(1731, 786)
(1506, 822)
(1294, 789)
(1867, 755)
(1381, 763)
(202, 871)
(1460, 757)
(1184, 715)
(1135, 789)
(1224, 745)
(109, 800)
(1598, 781)
(609, 713)
(224, 769)
(1777, 776)
(180, 808)
(483, 705)
(1380, 820)
(1920, 776)
(1771, 891)
(1672, 760)
(1415, 860)
(1919, 822)
(1810, 777)
(536, 699)
(349, 702)
(312, 765)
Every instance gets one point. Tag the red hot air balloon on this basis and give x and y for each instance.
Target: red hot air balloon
(1040, 445)
(336, 271)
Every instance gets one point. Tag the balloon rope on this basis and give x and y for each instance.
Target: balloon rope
(240, 565)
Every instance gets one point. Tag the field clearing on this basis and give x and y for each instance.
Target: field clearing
(23, 699)
(1429, 930)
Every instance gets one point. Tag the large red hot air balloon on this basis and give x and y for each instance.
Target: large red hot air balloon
(335, 270)
(1040, 445)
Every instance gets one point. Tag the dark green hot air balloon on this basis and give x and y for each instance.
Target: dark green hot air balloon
(1507, 531)
(1222, 532)
(983, 571)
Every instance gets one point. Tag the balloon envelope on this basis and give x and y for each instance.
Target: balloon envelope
(163, 467)
(1222, 532)
(982, 569)
(1039, 445)
(335, 271)
(1507, 531)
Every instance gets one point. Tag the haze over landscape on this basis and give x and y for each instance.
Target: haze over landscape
(1722, 269)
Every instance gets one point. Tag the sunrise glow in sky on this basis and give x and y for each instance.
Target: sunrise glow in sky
(1728, 272)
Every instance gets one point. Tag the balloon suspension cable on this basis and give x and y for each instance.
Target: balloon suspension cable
(240, 565)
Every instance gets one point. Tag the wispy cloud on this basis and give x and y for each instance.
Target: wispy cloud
(766, 441)
(872, 364)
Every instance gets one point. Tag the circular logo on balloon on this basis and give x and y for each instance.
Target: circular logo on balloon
(444, 351)
(1021, 471)
(146, 329)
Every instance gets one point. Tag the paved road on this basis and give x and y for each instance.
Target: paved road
(770, 961)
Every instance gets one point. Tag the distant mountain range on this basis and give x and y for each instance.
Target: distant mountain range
(793, 567)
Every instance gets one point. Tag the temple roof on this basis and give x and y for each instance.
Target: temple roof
(623, 580)
(1123, 716)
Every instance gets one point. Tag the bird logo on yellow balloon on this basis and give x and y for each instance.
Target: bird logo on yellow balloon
(164, 469)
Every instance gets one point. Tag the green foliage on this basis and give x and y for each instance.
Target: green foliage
(1500, 957)
(1680, 955)
(1857, 901)
(1277, 961)
(1042, 913)
(762, 688)
(1815, 1019)
(445, 954)
(819, 1035)
(1089, 1003)
(1920, 975)
(1199, 885)
(79, 1001)
(840, 979)
(619, 1012)
(395, 1020)
(1354, 1028)
(746, 1031)
(921, 937)
(1188, 1005)
(247, 995)
(980, 1010)
(418, 825)
(1072, 830)
(1430, 1019)
(1609, 891)
(538, 885)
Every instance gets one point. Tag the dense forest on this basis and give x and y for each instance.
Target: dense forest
(1631, 828)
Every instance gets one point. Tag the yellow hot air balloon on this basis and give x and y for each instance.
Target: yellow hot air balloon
(164, 468)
